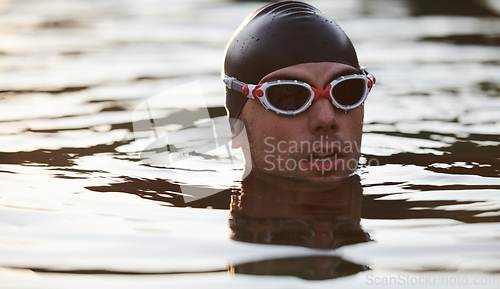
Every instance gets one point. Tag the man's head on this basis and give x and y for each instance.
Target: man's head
(315, 139)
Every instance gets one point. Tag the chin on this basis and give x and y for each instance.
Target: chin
(309, 176)
(313, 170)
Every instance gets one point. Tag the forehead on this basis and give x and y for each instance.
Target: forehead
(310, 72)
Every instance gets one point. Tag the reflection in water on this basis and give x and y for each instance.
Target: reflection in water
(468, 39)
(278, 211)
(451, 7)
(309, 268)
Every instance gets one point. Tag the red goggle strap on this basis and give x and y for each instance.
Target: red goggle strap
(253, 91)
(371, 79)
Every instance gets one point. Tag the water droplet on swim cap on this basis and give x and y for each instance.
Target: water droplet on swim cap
(279, 35)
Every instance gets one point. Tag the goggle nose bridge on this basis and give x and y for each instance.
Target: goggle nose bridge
(319, 93)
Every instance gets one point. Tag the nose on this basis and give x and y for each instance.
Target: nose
(322, 118)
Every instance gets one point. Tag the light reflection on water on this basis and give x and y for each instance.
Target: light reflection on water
(77, 201)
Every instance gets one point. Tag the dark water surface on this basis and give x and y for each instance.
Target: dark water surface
(83, 204)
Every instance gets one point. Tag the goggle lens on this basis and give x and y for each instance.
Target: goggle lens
(349, 91)
(287, 96)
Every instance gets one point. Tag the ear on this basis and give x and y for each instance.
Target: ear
(239, 140)
(235, 142)
(239, 137)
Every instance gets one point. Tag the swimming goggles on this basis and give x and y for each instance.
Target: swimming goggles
(292, 96)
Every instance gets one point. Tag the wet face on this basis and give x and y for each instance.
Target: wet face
(319, 144)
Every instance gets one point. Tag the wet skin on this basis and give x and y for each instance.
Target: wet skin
(320, 144)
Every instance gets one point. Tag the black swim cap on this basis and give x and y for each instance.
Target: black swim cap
(279, 35)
